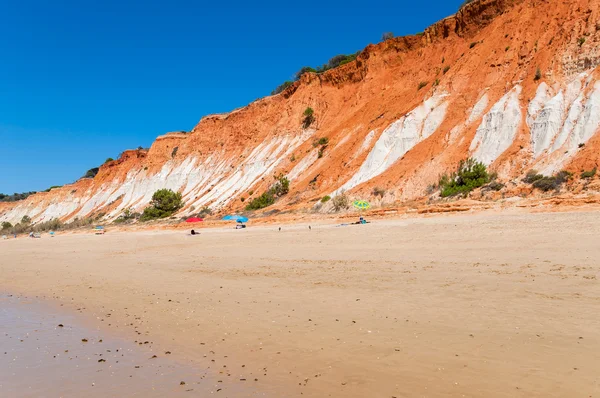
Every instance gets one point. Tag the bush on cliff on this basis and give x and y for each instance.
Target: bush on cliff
(553, 182)
(309, 117)
(470, 174)
(15, 196)
(340, 202)
(282, 87)
(280, 187)
(588, 174)
(164, 203)
(91, 173)
(532, 176)
(333, 62)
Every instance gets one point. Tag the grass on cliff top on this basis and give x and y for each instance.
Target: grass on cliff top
(333, 63)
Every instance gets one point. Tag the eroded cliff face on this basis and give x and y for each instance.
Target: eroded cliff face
(482, 99)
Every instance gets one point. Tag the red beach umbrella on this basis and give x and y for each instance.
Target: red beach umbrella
(194, 219)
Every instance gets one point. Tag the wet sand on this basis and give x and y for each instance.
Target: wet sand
(494, 305)
(47, 352)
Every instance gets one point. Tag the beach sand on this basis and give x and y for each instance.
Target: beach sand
(47, 352)
(488, 305)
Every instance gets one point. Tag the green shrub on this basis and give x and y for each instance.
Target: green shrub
(323, 141)
(6, 226)
(340, 202)
(127, 216)
(446, 69)
(282, 87)
(108, 160)
(325, 199)
(563, 176)
(91, 173)
(280, 187)
(580, 41)
(15, 196)
(495, 185)
(538, 74)
(152, 213)
(242, 199)
(554, 182)
(321, 152)
(473, 44)
(421, 85)
(387, 36)
(174, 152)
(250, 193)
(26, 220)
(469, 175)
(545, 183)
(164, 203)
(436, 82)
(532, 176)
(76, 223)
(507, 48)
(51, 225)
(589, 174)
(334, 62)
(264, 200)
(20, 228)
(309, 117)
(52, 187)
(303, 70)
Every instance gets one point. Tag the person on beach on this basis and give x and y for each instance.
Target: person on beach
(193, 232)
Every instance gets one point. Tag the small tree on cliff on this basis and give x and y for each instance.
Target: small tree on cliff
(164, 204)
(387, 36)
(309, 117)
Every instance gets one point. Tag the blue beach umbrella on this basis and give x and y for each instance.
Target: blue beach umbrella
(235, 217)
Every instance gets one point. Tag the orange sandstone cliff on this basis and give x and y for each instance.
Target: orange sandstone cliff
(512, 83)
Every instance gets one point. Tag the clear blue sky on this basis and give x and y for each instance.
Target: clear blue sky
(81, 81)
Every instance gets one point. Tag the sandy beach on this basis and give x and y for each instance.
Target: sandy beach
(487, 305)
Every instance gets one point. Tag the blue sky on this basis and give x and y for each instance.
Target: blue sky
(81, 81)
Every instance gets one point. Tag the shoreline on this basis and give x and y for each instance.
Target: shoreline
(49, 350)
(378, 310)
